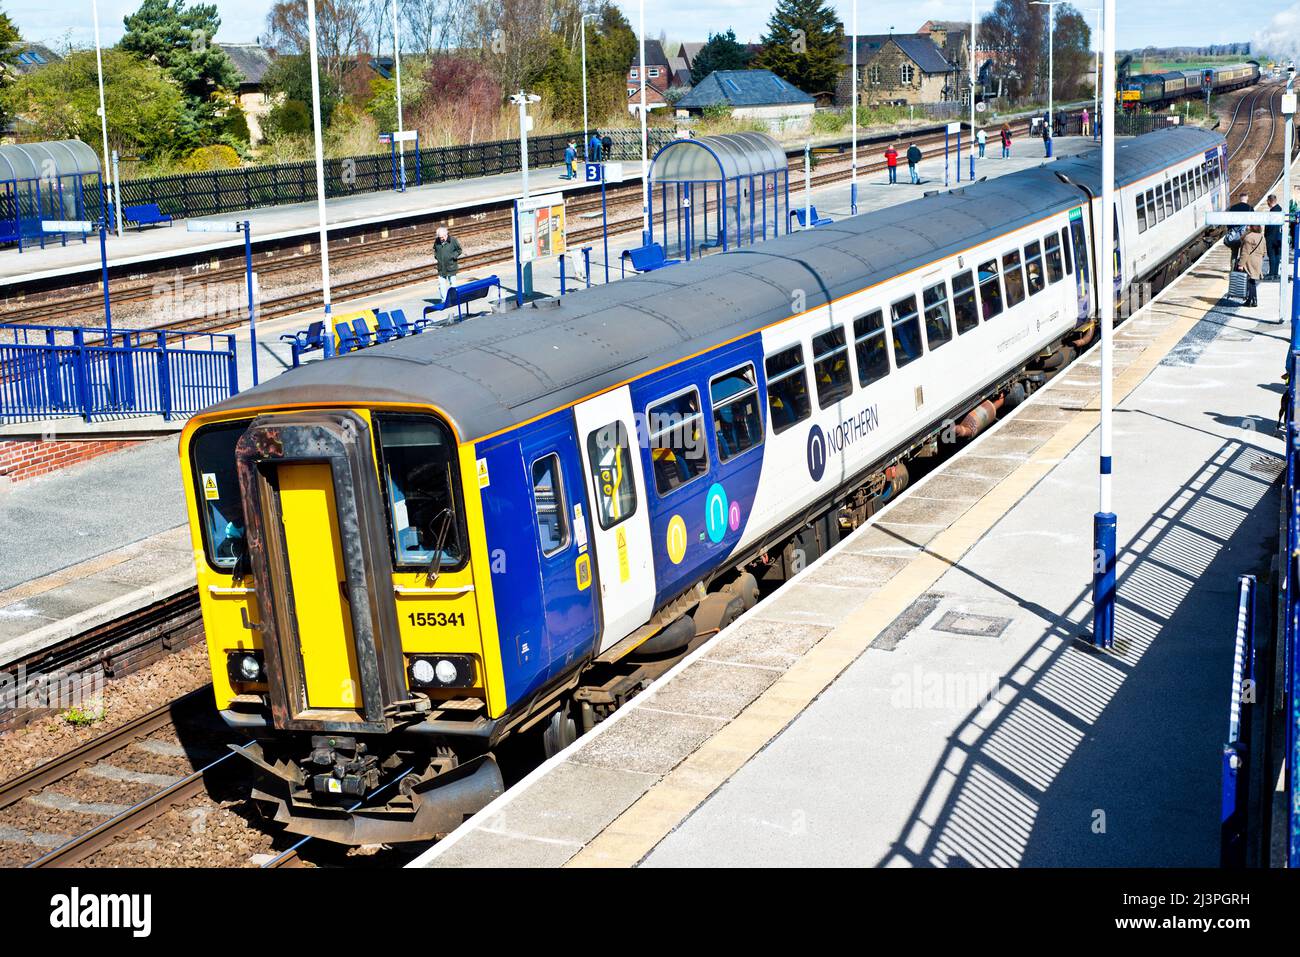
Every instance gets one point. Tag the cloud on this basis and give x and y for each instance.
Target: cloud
(1281, 37)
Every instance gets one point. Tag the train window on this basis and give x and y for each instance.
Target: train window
(831, 367)
(787, 389)
(1034, 268)
(938, 319)
(1185, 181)
(611, 474)
(677, 446)
(1014, 278)
(869, 342)
(417, 461)
(217, 493)
(1142, 213)
(1174, 195)
(990, 289)
(1055, 270)
(737, 422)
(1080, 250)
(964, 307)
(1156, 205)
(907, 332)
(548, 500)
(1065, 248)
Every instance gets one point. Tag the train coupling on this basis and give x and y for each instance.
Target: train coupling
(346, 767)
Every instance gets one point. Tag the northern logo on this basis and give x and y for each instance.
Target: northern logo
(816, 453)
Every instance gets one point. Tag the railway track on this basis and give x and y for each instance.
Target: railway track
(1250, 134)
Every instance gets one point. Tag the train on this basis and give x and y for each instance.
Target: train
(1161, 89)
(502, 529)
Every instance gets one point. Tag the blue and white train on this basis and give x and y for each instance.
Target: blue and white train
(409, 553)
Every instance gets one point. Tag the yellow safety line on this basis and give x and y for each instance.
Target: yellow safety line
(636, 832)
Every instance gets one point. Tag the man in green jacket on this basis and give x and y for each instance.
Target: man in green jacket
(446, 252)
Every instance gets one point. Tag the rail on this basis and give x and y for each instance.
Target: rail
(62, 371)
(1234, 817)
(1289, 627)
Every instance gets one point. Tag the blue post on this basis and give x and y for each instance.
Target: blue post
(329, 331)
(232, 365)
(252, 307)
(1295, 278)
(562, 274)
(1103, 577)
(82, 372)
(586, 264)
(103, 260)
(959, 155)
(945, 156)
(164, 379)
(604, 219)
(519, 266)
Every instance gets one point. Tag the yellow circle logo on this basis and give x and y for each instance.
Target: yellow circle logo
(676, 539)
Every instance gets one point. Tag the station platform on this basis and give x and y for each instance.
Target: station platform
(926, 693)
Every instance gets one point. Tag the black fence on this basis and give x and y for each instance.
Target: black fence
(223, 191)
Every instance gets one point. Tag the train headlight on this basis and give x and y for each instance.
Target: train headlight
(245, 667)
(441, 671)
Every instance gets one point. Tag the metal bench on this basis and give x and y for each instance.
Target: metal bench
(145, 214)
(307, 340)
(812, 214)
(461, 296)
(645, 259)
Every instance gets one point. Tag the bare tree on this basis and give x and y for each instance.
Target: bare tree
(340, 32)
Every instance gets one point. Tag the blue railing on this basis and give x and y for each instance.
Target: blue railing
(1233, 818)
(1289, 632)
(56, 371)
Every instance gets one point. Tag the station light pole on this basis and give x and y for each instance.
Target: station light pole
(1104, 522)
(1096, 69)
(645, 141)
(103, 119)
(1051, 6)
(320, 179)
(397, 68)
(853, 106)
(586, 138)
(522, 271)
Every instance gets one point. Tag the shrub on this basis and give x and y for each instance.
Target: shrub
(207, 158)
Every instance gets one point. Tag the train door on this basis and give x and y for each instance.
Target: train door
(620, 518)
(564, 554)
(1078, 249)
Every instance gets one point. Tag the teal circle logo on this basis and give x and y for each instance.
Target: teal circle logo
(716, 515)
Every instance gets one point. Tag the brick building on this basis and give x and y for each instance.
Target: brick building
(898, 69)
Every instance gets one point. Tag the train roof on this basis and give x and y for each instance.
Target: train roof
(500, 370)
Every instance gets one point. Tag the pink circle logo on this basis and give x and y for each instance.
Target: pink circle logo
(733, 516)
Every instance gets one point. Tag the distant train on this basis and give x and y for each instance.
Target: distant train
(411, 553)
(1158, 89)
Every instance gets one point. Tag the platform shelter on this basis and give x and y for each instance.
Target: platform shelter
(58, 180)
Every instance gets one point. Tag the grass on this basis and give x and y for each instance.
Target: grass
(82, 717)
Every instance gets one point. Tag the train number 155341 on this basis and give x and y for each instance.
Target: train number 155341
(436, 619)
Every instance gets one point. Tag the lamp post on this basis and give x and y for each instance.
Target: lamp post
(1096, 69)
(645, 141)
(586, 139)
(397, 67)
(853, 176)
(1104, 522)
(522, 99)
(320, 180)
(103, 116)
(972, 93)
(1051, 46)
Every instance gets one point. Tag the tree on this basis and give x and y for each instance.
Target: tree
(340, 34)
(1017, 33)
(1072, 52)
(461, 99)
(288, 80)
(180, 40)
(804, 44)
(145, 107)
(721, 52)
(9, 50)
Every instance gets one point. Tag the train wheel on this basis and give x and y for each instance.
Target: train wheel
(561, 731)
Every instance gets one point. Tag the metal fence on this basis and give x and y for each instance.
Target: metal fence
(1289, 628)
(1233, 817)
(223, 191)
(59, 371)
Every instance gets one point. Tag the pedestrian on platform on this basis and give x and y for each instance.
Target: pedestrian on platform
(570, 156)
(982, 139)
(1273, 241)
(914, 157)
(1006, 141)
(1233, 237)
(607, 147)
(1046, 130)
(891, 163)
(446, 253)
(594, 148)
(1085, 122)
(1250, 260)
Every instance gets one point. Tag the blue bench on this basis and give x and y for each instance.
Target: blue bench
(11, 233)
(355, 336)
(645, 259)
(308, 340)
(461, 296)
(812, 212)
(145, 214)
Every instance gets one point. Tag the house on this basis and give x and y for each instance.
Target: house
(27, 58)
(904, 69)
(953, 38)
(751, 94)
(658, 77)
(251, 61)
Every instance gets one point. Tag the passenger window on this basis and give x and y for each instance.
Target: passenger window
(938, 321)
(677, 447)
(990, 289)
(416, 460)
(869, 343)
(1175, 196)
(611, 474)
(1034, 268)
(907, 332)
(548, 500)
(1014, 278)
(831, 367)
(219, 500)
(964, 305)
(1142, 213)
(1055, 270)
(1065, 247)
(737, 422)
(787, 389)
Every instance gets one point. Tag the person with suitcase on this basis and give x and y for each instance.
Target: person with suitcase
(1250, 260)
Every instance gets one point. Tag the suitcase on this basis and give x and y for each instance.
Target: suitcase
(1237, 285)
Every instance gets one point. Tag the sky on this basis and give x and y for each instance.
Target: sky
(1139, 22)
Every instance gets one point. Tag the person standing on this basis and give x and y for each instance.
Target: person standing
(1006, 141)
(914, 157)
(1273, 242)
(570, 156)
(891, 163)
(1047, 135)
(594, 148)
(1250, 260)
(1085, 122)
(446, 253)
(982, 139)
(1235, 234)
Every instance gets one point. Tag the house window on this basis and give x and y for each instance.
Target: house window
(873, 74)
(654, 72)
(906, 73)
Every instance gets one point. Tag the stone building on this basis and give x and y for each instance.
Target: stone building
(906, 69)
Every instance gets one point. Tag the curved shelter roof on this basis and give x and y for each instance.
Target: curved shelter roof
(20, 161)
(711, 158)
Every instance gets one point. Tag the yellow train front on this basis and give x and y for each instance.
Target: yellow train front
(345, 612)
